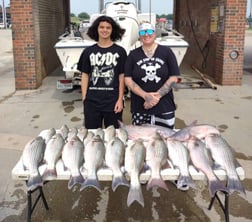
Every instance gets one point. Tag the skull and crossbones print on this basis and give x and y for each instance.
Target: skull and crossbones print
(151, 72)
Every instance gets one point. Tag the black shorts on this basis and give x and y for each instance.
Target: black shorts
(95, 118)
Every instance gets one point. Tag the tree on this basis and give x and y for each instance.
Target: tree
(168, 16)
(72, 15)
(84, 15)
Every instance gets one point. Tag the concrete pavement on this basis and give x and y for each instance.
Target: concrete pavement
(23, 114)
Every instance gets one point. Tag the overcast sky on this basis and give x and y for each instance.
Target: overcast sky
(158, 6)
(91, 6)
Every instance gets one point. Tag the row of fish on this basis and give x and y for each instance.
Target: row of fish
(134, 148)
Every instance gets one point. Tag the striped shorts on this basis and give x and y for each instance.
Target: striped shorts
(164, 119)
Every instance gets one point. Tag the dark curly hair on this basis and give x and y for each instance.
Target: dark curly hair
(117, 31)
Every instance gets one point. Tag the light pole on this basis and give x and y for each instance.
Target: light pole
(4, 14)
(250, 9)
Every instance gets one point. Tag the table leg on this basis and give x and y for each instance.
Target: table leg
(32, 206)
(224, 207)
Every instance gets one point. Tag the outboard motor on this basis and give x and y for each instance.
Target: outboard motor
(126, 14)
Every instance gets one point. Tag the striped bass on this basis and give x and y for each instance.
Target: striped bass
(222, 154)
(201, 162)
(32, 157)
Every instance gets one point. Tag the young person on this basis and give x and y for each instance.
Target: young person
(102, 67)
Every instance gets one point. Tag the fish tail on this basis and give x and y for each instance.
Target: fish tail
(156, 182)
(91, 182)
(119, 180)
(234, 184)
(185, 180)
(34, 182)
(215, 186)
(135, 194)
(49, 174)
(75, 180)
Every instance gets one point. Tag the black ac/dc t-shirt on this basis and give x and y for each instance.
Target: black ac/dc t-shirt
(150, 74)
(103, 65)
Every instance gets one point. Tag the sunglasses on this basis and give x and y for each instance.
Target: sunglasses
(144, 32)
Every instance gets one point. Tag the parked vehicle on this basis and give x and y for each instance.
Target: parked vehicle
(2, 25)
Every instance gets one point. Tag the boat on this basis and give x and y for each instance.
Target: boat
(71, 44)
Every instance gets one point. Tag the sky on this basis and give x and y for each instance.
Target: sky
(91, 6)
(158, 6)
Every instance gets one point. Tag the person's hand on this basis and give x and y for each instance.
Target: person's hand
(83, 98)
(118, 106)
(151, 100)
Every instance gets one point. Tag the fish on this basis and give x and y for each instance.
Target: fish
(47, 134)
(72, 157)
(32, 157)
(100, 132)
(82, 133)
(135, 155)
(89, 137)
(145, 131)
(122, 135)
(156, 157)
(52, 154)
(109, 133)
(200, 161)
(179, 156)
(223, 155)
(94, 155)
(114, 158)
(64, 130)
(73, 132)
(194, 130)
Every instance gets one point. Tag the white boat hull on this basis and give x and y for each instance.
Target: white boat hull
(69, 52)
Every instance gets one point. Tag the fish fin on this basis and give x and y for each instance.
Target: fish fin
(236, 163)
(194, 122)
(234, 184)
(49, 174)
(217, 166)
(135, 194)
(117, 181)
(64, 167)
(121, 124)
(91, 182)
(145, 168)
(185, 180)
(166, 165)
(75, 180)
(34, 182)
(215, 186)
(156, 182)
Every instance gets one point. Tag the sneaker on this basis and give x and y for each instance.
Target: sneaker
(184, 187)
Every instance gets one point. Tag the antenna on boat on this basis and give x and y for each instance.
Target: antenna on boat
(150, 10)
(139, 6)
(101, 5)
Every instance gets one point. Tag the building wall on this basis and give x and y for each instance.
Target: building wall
(214, 29)
(36, 26)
